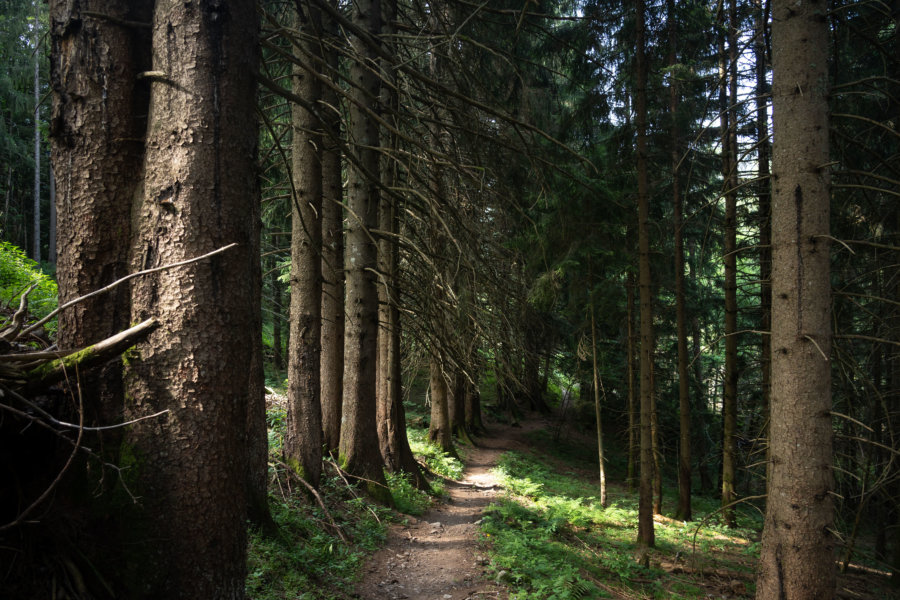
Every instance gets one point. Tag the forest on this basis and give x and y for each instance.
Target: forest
(272, 273)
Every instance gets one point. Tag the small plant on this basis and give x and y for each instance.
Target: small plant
(17, 274)
(408, 499)
(438, 462)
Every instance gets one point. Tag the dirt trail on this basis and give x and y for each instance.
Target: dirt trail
(436, 557)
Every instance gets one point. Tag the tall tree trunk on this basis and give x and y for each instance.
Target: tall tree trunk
(303, 439)
(37, 132)
(391, 416)
(198, 194)
(359, 448)
(97, 103)
(633, 448)
(332, 357)
(51, 252)
(598, 382)
(683, 510)
(655, 445)
(728, 82)
(646, 535)
(256, 425)
(94, 68)
(277, 318)
(796, 559)
(439, 429)
(760, 51)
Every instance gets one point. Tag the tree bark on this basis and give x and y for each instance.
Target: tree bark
(796, 559)
(332, 357)
(727, 93)
(197, 194)
(646, 535)
(633, 448)
(439, 429)
(395, 450)
(96, 119)
(683, 510)
(598, 382)
(303, 438)
(359, 448)
(37, 134)
(760, 51)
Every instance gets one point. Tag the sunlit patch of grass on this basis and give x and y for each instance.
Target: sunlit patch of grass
(549, 537)
(407, 498)
(438, 462)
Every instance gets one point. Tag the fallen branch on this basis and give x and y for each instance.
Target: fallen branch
(54, 371)
(312, 490)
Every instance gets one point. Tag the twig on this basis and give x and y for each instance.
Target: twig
(718, 510)
(118, 282)
(55, 482)
(12, 332)
(318, 498)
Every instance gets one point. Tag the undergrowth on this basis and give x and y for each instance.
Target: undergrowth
(17, 274)
(549, 538)
(316, 553)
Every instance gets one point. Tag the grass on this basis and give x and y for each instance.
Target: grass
(316, 555)
(549, 538)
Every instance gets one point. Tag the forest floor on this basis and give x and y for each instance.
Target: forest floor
(440, 555)
(448, 554)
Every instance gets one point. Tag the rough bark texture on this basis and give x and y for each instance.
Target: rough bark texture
(359, 448)
(96, 132)
(198, 194)
(796, 559)
(646, 535)
(303, 439)
(332, 355)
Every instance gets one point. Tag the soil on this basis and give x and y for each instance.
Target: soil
(438, 556)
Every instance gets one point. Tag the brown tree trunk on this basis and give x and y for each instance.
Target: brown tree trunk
(473, 407)
(98, 119)
(256, 426)
(277, 320)
(796, 559)
(646, 536)
(598, 382)
(359, 448)
(391, 415)
(760, 49)
(728, 78)
(332, 354)
(439, 429)
(633, 448)
(303, 437)
(198, 194)
(683, 510)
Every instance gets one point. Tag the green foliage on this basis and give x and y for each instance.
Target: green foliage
(306, 559)
(439, 462)
(550, 538)
(17, 274)
(407, 498)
